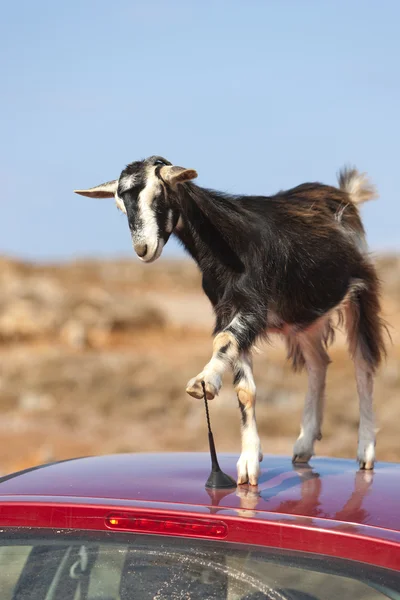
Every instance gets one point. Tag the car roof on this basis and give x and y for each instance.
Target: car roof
(329, 489)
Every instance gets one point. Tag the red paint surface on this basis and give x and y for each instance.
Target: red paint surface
(329, 508)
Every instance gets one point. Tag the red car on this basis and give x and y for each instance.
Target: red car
(145, 527)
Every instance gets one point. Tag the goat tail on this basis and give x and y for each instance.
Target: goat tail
(356, 185)
(365, 327)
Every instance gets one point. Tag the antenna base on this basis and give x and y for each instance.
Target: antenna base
(220, 480)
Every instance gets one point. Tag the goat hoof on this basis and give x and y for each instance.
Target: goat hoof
(366, 454)
(302, 459)
(248, 467)
(245, 480)
(366, 465)
(195, 389)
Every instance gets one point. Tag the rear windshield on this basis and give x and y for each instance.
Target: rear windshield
(63, 566)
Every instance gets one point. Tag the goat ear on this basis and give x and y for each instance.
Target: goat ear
(105, 190)
(174, 175)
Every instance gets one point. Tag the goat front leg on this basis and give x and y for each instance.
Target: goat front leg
(248, 466)
(225, 352)
(231, 348)
(237, 337)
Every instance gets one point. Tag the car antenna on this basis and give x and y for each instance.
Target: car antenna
(217, 479)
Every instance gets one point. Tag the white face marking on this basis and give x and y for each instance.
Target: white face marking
(149, 232)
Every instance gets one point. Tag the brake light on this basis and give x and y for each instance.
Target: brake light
(167, 525)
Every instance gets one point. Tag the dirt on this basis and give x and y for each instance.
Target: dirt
(95, 356)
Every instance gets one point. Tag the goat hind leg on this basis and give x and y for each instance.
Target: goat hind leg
(365, 335)
(366, 433)
(248, 465)
(317, 361)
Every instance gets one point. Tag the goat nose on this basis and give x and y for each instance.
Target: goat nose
(141, 250)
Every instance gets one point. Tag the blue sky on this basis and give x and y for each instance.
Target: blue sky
(257, 96)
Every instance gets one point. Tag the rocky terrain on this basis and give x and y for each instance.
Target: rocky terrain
(95, 357)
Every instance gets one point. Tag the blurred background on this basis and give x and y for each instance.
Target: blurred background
(96, 348)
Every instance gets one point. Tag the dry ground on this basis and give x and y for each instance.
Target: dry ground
(95, 357)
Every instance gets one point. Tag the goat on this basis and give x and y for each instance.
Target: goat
(276, 264)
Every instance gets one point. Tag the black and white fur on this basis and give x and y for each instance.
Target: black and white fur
(281, 264)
